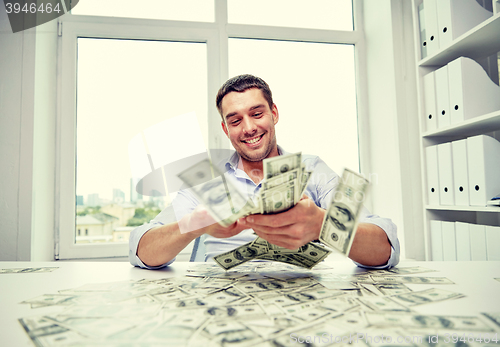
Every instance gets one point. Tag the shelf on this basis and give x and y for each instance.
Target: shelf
(464, 208)
(481, 41)
(470, 127)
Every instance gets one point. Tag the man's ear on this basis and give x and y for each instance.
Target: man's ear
(276, 115)
(224, 128)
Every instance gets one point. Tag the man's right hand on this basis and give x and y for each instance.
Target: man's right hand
(201, 222)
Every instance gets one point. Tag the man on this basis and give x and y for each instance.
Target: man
(249, 117)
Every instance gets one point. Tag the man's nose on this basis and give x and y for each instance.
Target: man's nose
(249, 126)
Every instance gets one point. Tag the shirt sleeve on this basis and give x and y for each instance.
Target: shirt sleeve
(183, 203)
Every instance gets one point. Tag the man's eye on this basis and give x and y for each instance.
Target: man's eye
(257, 114)
(234, 122)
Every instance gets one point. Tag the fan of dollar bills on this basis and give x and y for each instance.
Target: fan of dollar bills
(285, 180)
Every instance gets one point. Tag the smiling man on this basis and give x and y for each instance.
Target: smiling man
(249, 117)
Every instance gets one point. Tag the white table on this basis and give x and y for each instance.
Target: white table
(474, 279)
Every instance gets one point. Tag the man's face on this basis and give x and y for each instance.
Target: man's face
(249, 124)
(340, 215)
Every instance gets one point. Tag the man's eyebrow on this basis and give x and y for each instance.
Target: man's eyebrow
(232, 114)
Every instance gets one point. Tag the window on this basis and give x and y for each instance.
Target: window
(122, 76)
(313, 14)
(181, 10)
(309, 108)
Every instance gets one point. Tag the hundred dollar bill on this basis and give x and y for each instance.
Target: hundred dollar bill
(462, 323)
(239, 255)
(409, 279)
(280, 198)
(221, 198)
(281, 164)
(28, 270)
(383, 304)
(426, 297)
(339, 226)
(409, 270)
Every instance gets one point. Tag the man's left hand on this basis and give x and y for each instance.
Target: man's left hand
(290, 229)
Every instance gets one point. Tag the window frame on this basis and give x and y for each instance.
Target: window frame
(215, 35)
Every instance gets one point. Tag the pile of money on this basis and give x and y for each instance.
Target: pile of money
(285, 181)
(261, 304)
(306, 256)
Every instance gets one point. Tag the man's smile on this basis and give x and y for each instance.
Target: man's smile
(254, 140)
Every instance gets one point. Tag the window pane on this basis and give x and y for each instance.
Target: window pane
(125, 89)
(313, 14)
(186, 10)
(313, 87)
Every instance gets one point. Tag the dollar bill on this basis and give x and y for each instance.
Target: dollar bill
(409, 270)
(217, 192)
(383, 304)
(493, 317)
(462, 323)
(339, 226)
(426, 296)
(409, 279)
(279, 198)
(281, 164)
(28, 270)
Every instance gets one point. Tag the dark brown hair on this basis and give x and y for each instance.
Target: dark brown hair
(241, 83)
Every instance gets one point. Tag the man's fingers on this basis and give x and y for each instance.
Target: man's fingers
(271, 220)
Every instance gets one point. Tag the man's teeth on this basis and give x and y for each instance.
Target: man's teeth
(253, 140)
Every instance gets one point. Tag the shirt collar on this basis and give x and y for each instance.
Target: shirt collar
(234, 161)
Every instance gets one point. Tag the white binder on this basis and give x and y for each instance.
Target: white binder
(477, 242)
(493, 242)
(431, 26)
(445, 169)
(423, 35)
(431, 156)
(436, 240)
(456, 17)
(460, 172)
(483, 160)
(472, 92)
(449, 243)
(462, 237)
(430, 117)
(442, 97)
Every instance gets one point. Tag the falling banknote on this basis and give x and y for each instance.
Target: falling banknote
(339, 225)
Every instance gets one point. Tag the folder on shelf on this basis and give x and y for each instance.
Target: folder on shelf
(477, 242)
(442, 97)
(483, 160)
(460, 172)
(431, 26)
(472, 92)
(423, 37)
(449, 242)
(436, 240)
(445, 170)
(493, 242)
(430, 117)
(462, 237)
(431, 156)
(456, 17)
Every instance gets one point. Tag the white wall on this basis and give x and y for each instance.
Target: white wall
(26, 232)
(393, 119)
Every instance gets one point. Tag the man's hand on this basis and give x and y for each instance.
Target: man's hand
(291, 229)
(201, 222)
